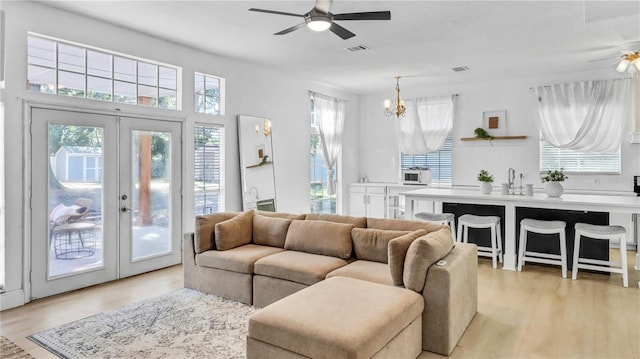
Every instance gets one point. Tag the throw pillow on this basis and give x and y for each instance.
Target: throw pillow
(371, 244)
(360, 222)
(270, 231)
(234, 232)
(397, 251)
(320, 237)
(422, 253)
(205, 230)
(281, 215)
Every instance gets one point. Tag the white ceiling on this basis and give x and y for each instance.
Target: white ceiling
(493, 38)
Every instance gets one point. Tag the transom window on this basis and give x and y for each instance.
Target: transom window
(209, 94)
(69, 69)
(438, 162)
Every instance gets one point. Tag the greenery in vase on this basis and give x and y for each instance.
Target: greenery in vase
(554, 176)
(485, 176)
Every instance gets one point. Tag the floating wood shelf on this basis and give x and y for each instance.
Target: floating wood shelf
(494, 138)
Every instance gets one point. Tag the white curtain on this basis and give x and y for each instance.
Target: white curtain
(589, 116)
(426, 125)
(329, 113)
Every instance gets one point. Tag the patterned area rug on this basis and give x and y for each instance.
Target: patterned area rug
(9, 350)
(182, 324)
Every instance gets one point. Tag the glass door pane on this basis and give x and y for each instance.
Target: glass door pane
(151, 183)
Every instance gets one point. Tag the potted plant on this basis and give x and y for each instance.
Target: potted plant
(553, 188)
(486, 180)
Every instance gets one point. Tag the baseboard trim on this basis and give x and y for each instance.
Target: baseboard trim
(12, 299)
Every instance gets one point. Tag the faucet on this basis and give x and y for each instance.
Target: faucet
(512, 178)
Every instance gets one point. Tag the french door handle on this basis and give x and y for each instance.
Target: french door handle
(124, 209)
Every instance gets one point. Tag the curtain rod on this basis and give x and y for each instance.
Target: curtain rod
(321, 94)
(622, 78)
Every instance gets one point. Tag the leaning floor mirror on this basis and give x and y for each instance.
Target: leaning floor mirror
(256, 163)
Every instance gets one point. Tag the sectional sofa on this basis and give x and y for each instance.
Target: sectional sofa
(259, 258)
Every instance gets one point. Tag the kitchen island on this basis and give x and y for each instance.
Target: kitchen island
(627, 205)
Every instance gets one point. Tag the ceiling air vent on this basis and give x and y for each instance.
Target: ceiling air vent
(460, 68)
(357, 48)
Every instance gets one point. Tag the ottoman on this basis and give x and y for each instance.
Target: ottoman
(339, 317)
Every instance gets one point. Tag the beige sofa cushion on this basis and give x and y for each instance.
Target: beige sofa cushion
(240, 259)
(281, 215)
(360, 319)
(422, 253)
(397, 252)
(299, 267)
(205, 227)
(270, 231)
(360, 222)
(320, 237)
(375, 272)
(402, 225)
(371, 244)
(234, 232)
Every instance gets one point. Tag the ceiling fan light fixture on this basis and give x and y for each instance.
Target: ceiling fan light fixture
(318, 25)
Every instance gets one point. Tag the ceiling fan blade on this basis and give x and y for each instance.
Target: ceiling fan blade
(605, 58)
(275, 12)
(371, 15)
(341, 31)
(323, 6)
(292, 28)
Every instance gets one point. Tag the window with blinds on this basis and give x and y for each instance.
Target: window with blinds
(208, 168)
(553, 158)
(438, 162)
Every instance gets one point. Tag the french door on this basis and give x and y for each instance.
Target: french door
(106, 200)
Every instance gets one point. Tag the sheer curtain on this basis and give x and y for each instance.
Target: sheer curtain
(589, 116)
(329, 113)
(426, 125)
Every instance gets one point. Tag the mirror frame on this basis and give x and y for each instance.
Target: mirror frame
(256, 154)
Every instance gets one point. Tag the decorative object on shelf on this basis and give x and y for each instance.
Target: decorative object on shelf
(482, 134)
(486, 181)
(398, 106)
(495, 122)
(553, 188)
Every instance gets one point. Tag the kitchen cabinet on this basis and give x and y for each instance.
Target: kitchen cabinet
(367, 200)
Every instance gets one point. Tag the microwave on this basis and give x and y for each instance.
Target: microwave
(416, 176)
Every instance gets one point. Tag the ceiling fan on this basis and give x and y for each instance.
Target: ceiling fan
(628, 60)
(320, 19)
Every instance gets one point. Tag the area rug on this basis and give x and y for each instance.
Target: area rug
(182, 324)
(9, 350)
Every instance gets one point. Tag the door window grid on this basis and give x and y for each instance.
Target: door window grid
(209, 169)
(59, 67)
(440, 162)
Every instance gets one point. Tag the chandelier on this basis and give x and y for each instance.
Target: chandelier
(398, 107)
(266, 128)
(630, 58)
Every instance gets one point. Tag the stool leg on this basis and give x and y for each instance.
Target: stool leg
(459, 234)
(623, 260)
(522, 246)
(563, 253)
(576, 254)
(500, 253)
(452, 225)
(494, 250)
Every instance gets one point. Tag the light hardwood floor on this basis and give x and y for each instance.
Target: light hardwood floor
(529, 314)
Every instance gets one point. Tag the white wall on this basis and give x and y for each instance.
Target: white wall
(379, 153)
(250, 90)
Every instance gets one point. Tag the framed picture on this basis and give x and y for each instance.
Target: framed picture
(495, 122)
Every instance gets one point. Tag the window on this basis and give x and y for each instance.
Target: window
(209, 94)
(209, 168)
(553, 158)
(59, 67)
(438, 162)
(321, 201)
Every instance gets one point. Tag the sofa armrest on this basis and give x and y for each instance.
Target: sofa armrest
(451, 299)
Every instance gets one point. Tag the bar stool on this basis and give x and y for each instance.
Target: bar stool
(542, 227)
(467, 221)
(442, 218)
(601, 232)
